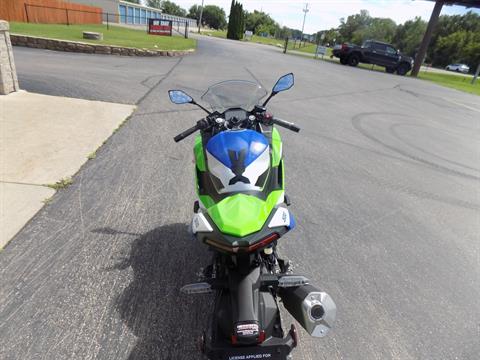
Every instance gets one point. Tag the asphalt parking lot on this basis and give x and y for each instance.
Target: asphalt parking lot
(383, 178)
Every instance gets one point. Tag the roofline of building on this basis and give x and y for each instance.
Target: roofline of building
(128, 3)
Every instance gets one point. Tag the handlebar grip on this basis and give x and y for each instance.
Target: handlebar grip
(186, 133)
(286, 124)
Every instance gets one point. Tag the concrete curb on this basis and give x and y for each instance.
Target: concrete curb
(81, 47)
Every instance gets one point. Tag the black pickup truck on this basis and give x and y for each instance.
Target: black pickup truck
(374, 52)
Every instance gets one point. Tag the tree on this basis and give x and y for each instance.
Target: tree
(236, 21)
(379, 29)
(214, 17)
(459, 47)
(443, 38)
(260, 22)
(284, 32)
(329, 36)
(354, 23)
(194, 12)
(155, 3)
(171, 8)
(408, 36)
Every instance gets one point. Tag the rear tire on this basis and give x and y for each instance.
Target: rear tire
(390, 70)
(343, 60)
(402, 69)
(353, 60)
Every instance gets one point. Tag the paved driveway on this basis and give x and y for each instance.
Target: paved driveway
(384, 181)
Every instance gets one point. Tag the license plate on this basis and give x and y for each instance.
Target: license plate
(249, 354)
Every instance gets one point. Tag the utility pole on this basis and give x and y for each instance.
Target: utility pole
(200, 18)
(426, 38)
(304, 16)
(476, 75)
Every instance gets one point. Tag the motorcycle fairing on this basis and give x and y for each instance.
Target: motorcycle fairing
(272, 134)
(229, 146)
(235, 243)
(240, 214)
(241, 207)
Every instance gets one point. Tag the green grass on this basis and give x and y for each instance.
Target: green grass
(266, 41)
(116, 36)
(462, 83)
(61, 184)
(459, 82)
(311, 48)
(215, 33)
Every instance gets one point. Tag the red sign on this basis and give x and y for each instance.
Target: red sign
(160, 27)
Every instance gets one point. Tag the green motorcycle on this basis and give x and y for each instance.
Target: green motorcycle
(241, 214)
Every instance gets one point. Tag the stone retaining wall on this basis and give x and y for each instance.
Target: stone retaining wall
(73, 46)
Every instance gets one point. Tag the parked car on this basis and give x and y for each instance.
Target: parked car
(458, 68)
(374, 52)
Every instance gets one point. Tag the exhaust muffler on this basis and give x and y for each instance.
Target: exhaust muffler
(312, 308)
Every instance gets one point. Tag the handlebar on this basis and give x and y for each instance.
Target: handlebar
(286, 124)
(203, 124)
(186, 133)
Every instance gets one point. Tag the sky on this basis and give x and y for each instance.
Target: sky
(325, 14)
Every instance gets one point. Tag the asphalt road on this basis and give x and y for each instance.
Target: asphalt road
(384, 181)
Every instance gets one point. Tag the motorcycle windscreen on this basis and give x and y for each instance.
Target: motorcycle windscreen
(237, 159)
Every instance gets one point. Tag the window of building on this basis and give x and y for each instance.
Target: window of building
(129, 15)
(123, 12)
(137, 16)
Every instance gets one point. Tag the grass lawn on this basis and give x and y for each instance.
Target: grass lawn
(266, 41)
(116, 35)
(215, 33)
(458, 82)
(311, 48)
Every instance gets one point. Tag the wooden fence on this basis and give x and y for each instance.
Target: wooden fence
(49, 12)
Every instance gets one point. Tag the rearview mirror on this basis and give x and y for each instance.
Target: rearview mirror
(284, 83)
(179, 97)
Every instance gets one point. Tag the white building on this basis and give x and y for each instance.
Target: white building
(125, 12)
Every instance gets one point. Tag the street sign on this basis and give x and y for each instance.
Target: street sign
(248, 34)
(160, 27)
(321, 50)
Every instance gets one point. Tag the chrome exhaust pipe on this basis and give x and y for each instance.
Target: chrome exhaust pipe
(312, 308)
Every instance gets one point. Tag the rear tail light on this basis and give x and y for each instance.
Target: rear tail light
(264, 242)
(242, 249)
(261, 336)
(220, 246)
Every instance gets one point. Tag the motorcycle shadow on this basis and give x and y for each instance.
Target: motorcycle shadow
(166, 322)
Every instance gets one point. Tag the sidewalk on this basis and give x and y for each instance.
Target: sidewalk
(44, 139)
